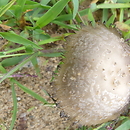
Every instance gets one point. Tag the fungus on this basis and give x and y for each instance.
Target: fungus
(93, 85)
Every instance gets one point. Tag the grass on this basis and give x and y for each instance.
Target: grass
(30, 17)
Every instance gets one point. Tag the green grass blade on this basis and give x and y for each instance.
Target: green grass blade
(8, 61)
(80, 20)
(53, 39)
(2, 69)
(3, 2)
(64, 17)
(84, 12)
(127, 22)
(14, 50)
(30, 92)
(33, 6)
(21, 3)
(113, 6)
(13, 55)
(6, 7)
(124, 126)
(49, 40)
(110, 21)
(105, 15)
(93, 7)
(121, 15)
(18, 39)
(18, 66)
(44, 2)
(75, 7)
(65, 25)
(91, 18)
(20, 6)
(14, 105)
(67, 17)
(102, 126)
(52, 13)
(53, 54)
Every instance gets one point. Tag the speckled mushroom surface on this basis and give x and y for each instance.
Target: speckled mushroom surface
(93, 85)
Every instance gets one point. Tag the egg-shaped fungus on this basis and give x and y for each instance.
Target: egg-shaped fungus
(93, 85)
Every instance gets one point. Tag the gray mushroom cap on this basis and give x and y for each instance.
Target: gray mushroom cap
(93, 85)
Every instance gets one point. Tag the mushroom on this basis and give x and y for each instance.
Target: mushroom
(93, 85)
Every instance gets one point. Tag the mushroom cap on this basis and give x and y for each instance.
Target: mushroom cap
(93, 85)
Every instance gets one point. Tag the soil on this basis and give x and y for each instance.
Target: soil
(33, 114)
